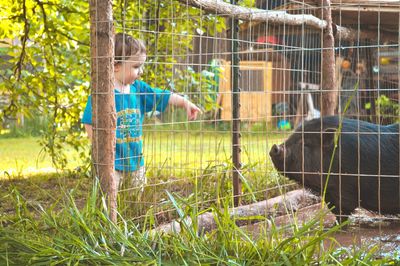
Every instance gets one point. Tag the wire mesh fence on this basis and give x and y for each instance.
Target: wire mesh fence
(281, 46)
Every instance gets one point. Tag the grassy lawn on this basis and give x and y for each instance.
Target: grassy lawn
(171, 151)
(21, 154)
(185, 150)
(178, 161)
(24, 156)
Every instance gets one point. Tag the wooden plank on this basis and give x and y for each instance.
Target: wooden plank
(358, 2)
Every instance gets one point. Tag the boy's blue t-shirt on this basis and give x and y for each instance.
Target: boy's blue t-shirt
(131, 109)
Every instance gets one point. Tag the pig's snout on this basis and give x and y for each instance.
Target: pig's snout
(276, 151)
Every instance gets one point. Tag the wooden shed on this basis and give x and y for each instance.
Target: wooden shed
(255, 95)
(263, 83)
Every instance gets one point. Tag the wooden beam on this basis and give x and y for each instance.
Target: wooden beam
(385, 9)
(360, 2)
(330, 94)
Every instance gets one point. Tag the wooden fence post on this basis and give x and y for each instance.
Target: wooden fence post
(103, 104)
(329, 90)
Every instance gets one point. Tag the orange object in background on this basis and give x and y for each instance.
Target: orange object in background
(346, 64)
(269, 39)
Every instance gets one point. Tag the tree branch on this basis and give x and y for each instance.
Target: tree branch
(281, 205)
(221, 8)
(24, 38)
(329, 97)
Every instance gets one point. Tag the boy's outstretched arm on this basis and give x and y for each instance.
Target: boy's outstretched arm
(191, 109)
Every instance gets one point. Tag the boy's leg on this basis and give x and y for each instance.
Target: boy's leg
(138, 178)
(119, 178)
(131, 180)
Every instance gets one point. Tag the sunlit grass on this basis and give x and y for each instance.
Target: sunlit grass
(179, 161)
(173, 152)
(24, 156)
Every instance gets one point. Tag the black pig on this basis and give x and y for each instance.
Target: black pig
(365, 166)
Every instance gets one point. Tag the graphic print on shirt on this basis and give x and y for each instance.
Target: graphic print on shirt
(128, 125)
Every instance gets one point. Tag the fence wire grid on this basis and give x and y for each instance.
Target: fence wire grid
(189, 52)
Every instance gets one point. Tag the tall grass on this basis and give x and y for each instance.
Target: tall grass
(85, 235)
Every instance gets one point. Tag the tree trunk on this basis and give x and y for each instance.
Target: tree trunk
(329, 92)
(103, 105)
(303, 216)
(281, 205)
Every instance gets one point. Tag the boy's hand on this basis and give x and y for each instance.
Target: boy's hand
(192, 110)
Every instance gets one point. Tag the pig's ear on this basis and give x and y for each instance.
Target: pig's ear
(328, 137)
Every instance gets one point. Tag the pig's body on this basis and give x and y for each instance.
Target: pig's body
(365, 168)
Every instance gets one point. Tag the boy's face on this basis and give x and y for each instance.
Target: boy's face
(129, 71)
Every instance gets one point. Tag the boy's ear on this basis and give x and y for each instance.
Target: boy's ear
(328, 137)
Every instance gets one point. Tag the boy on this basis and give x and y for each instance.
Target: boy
(133, 98)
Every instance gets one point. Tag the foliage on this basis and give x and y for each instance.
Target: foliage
(33, 127)
(47, 70)
(387, 110)
(247, 3)
(169, 41)
(203, 86)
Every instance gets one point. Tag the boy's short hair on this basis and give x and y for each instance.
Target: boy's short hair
(127, 46)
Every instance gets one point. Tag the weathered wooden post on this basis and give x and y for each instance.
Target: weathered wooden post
(329, 92)
(236, 135)
(103, 104)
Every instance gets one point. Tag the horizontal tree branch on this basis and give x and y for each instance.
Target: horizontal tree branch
(281, 205)
(302, 217)
(221, 8)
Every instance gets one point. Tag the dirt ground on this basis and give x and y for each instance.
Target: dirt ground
(369, 231)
